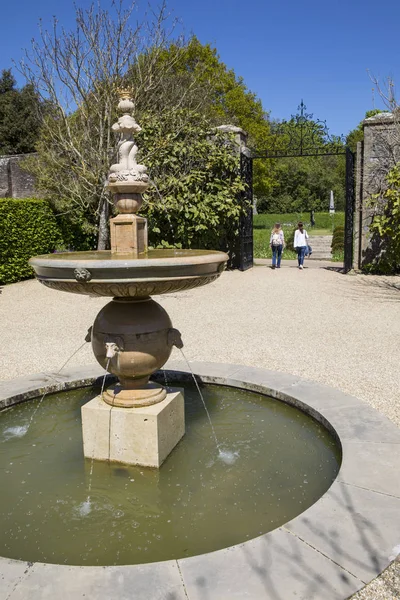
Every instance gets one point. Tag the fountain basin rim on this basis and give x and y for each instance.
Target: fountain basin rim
(109, 260)
(338, 564)
(102, 274)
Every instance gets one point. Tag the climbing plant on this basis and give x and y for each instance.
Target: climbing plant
(385, 226)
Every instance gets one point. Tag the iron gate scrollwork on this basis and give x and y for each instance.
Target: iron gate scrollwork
(302, 135)
(244, 253)
(349, 212)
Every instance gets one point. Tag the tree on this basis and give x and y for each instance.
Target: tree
(80, 73)
(19, 116)
(192, 75)
(304, 183)
(197, 179)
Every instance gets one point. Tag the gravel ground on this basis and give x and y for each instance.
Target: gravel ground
(339, 330)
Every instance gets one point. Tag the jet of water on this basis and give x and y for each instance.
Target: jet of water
(85, 506)
(45, 394)
(227, 456)
(203, 401)
(104, 378)
(164, 205)
(166, 380)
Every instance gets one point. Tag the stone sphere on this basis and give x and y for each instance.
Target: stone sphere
(141, 330)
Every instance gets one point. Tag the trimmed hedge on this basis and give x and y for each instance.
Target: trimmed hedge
(289, 238)
(28, 227)
(338, 240)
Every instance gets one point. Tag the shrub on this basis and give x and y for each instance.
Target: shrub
(337, 245)
(201, 192)
(289, 238)
(27, 227)
(384, 255)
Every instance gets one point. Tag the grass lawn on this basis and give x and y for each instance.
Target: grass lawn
(323, 221)
(263, 224)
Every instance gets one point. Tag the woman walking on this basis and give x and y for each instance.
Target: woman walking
(300, 243)
(277, 241)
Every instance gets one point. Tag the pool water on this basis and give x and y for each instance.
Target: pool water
(278, 461)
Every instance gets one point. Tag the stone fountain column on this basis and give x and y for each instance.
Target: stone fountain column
(134, 421)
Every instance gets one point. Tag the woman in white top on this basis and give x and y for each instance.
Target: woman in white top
(300, 243)
(277, 242)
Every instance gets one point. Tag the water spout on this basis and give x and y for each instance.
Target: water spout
(112, 349)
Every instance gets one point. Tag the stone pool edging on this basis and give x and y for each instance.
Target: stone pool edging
(328, 552)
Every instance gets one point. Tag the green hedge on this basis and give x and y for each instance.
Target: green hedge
(27, 227)
(338, 240)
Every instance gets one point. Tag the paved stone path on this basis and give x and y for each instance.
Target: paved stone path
(339, 330)
(321, 246)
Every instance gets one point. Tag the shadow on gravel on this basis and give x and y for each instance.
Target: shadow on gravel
(388, 289)
(335, 269)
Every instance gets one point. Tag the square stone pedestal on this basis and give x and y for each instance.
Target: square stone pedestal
(128, 234)
(136, 436)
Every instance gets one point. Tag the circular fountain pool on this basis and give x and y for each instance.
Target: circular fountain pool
(280, 462)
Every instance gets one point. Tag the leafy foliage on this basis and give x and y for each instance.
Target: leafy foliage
(174, 85)
(19, 116)
(197, 177)
(302, 184)
(385, 227)
(27, 227)
(70, 171)
(191, 75)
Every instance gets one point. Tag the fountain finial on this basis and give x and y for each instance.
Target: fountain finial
(127, 180)
(124, 94)
(125, 101)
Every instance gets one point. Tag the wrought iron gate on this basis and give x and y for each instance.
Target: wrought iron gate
(243, 259)
(349, 212)
(306, 136)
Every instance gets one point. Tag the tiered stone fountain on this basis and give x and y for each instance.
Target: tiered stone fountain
(135, 421)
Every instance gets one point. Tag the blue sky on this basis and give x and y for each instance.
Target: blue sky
(285, 51)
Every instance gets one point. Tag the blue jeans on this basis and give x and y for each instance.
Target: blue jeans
(276, 255)
(301, 252)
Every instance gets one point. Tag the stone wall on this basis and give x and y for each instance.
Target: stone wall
(376, 155)
(14, 181)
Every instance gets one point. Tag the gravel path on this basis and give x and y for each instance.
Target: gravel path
(339, 330)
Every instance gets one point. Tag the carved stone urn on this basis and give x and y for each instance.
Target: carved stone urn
(132, 338)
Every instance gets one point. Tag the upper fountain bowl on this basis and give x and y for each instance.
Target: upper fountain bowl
(103, 273)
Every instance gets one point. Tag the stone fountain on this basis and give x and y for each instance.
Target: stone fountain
(134, 421)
